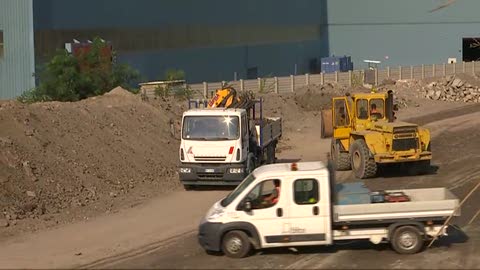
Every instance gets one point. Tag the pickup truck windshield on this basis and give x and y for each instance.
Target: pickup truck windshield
(240, 188)
(211, 128)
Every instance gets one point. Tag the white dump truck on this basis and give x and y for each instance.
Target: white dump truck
(286, 205)
(221, 146)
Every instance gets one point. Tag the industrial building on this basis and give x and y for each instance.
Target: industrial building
(214, 40)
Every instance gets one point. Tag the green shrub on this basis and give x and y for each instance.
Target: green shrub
(69, 78)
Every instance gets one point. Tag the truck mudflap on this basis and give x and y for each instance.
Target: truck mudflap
(212, 174)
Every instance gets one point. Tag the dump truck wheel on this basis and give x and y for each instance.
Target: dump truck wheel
(363, 166)
(407, 240)
(235, 244)
(271, 154)
(250, 165)
(342, 160)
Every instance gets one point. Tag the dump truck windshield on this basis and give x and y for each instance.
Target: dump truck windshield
(210, 128)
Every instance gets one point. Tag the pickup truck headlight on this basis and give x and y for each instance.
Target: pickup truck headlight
(185, 170)
(236, 170)
(216, 213)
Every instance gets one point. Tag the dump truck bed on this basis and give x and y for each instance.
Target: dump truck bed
(424, 203)
(270, 130)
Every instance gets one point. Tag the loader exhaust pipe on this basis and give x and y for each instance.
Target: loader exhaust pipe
(389, 106)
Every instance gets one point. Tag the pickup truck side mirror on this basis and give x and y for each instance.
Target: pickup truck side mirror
(247, 206)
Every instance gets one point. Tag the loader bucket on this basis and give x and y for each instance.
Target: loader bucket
(326, 124)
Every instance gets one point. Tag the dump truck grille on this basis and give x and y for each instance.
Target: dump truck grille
(404, 144)
(210, 158)
(210, 176)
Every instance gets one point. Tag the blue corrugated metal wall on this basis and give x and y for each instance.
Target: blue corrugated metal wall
(209, 39)
(212, 39)
(401, 32)
(17, 65)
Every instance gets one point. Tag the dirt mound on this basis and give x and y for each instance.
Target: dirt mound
(84, 157)
(119, 91)
(316, 98)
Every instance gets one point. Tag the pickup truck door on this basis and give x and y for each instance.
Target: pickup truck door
(309, 221)
(267, 215)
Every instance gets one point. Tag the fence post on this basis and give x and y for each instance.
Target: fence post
(433, 70)
(423, 71)
(473, 68)
(464, 68)
(322, 78)
(276, 84)
(454, 68)
(259, 85)
(307, 79)
(399, 72)
(241, 85)
(350, 78)
(205, 89)
(292, 80)
(376, 76)
(444, 69)
(336, 76)
(388, 72)
(411, 72)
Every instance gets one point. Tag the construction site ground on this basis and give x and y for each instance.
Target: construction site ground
(93, 184)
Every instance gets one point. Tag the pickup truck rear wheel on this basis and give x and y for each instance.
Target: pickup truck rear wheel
(363, 166)
(407, 240)
(235, 244)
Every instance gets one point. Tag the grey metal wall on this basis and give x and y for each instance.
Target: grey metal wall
(17, 66)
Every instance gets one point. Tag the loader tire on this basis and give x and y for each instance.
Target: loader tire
(362, 165)
(341, 160)
(418, 167)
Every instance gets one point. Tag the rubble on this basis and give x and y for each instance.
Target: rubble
(452, 89)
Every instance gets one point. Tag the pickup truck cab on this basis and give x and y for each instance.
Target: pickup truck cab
(293, 204)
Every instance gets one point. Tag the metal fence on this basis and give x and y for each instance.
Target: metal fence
(351, 78)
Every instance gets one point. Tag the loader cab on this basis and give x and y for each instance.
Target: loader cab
(358, 111)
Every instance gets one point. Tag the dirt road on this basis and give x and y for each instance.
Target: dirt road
(456, 168)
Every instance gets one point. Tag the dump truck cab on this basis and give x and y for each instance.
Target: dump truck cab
(366, 133)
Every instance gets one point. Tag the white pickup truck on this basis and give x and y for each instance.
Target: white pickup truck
(222, 146)
(305, 211)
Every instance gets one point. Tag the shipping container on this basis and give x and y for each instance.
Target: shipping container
(334, 63)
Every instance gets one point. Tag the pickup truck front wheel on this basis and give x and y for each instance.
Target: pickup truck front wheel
(235, 244)
(407, 240)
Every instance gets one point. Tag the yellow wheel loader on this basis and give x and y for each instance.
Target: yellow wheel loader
(365, 135)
